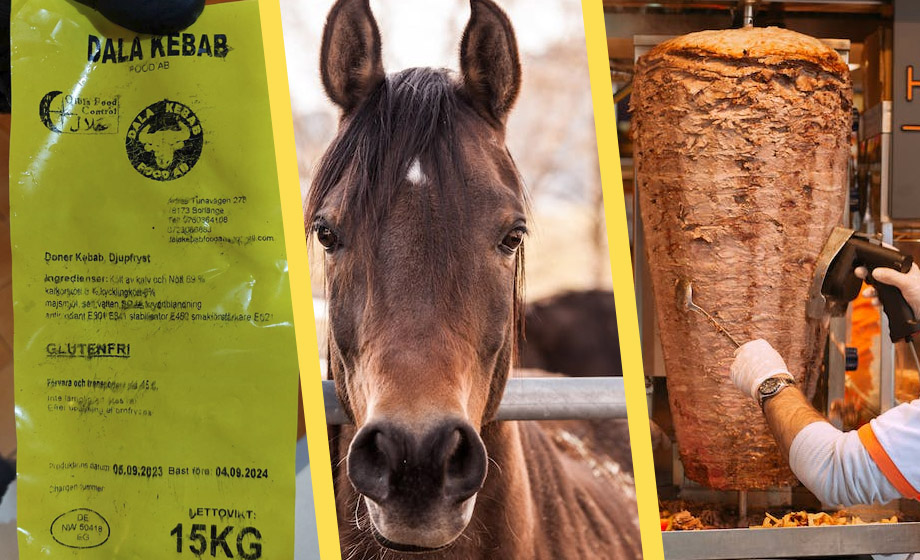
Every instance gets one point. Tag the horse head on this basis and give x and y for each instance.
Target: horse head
(421, 212)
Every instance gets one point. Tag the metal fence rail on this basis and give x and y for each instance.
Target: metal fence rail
(536, 398)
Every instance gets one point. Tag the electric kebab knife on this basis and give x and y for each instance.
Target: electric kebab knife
(836, 284)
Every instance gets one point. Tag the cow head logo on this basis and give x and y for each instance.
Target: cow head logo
(164, 141)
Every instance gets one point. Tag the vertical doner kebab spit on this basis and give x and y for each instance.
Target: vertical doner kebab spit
(741, 147)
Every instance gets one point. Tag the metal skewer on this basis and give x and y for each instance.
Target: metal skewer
(748, 20)
(684, 300)
(742, 508)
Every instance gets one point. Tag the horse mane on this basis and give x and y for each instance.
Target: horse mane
(412, 114)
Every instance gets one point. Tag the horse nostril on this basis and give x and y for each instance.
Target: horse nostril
(465, 462)
(371, 462)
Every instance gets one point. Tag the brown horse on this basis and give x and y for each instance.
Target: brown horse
(422, 215)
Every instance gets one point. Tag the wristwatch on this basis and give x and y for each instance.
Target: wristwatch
(772, 386)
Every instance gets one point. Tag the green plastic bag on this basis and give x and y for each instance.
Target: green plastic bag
(155, 361)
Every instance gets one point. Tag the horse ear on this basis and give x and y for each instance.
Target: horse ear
(489, 61)
(350, 60)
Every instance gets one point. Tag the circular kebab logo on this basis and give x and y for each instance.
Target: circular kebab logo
(164, 141)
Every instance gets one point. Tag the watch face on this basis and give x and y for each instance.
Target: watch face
(771, 385)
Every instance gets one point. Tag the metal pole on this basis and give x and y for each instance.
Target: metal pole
(887, 353)
(536, 398)
(742, 508)
(749, 13)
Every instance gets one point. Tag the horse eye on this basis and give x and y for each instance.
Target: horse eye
(513, 240)
(326, 237)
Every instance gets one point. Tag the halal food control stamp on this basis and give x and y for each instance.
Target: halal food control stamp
(79, 114)
(164, 141)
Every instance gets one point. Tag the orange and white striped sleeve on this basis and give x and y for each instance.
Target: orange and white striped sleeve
(893, 442)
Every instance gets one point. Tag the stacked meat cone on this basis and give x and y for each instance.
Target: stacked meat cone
(741, 146)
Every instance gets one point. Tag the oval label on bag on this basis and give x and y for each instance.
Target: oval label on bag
(80, 528)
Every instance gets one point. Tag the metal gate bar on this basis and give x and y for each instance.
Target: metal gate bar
(536, 398)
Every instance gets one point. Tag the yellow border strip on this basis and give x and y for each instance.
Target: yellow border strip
(623, 289)
(301, 294)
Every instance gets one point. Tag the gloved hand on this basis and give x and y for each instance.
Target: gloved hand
(755, 362)
(908, 282)
(157, 17)
(7, 475)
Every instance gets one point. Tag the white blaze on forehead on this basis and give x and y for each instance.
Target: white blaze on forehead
(415, 175)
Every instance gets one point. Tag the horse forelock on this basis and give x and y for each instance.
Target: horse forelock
(411, 115)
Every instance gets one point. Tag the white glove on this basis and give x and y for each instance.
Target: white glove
(908, 283)
(755, 362)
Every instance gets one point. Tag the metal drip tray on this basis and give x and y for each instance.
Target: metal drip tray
(794, 542)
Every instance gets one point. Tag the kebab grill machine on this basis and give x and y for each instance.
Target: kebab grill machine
(842, 351)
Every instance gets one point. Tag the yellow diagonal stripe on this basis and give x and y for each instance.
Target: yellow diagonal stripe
(301, 293)
(627, 323)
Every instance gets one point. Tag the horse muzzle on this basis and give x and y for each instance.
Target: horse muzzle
(419, 485)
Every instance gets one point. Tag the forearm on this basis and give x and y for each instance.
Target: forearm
(787, 414)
